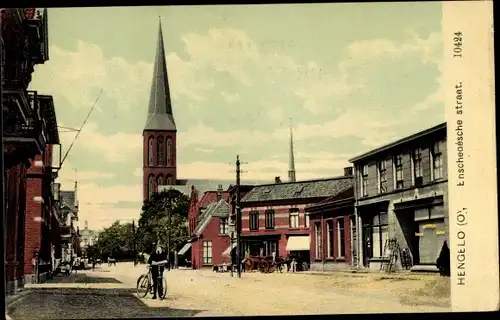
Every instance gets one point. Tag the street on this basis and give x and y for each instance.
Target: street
(109, 292)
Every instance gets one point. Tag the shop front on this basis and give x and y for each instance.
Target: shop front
(424, 226)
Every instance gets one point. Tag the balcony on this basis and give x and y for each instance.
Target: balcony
(28, 133)
(36, 28)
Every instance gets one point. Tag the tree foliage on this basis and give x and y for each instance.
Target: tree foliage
(165, 212)
(115, 241)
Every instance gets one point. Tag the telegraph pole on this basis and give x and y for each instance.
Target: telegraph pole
(133, 241)
(238, 217)
(168, 232)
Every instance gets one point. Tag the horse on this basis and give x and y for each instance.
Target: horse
(111, 261)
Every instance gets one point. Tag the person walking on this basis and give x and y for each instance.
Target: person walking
(156, 261)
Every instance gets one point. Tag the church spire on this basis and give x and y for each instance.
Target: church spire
(291, 169)
(160, 116)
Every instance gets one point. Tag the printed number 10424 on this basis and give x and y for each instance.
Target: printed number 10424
(457, 45)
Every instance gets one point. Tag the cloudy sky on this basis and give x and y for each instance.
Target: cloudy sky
(351, 76)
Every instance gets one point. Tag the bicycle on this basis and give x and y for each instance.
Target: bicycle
(145, 284)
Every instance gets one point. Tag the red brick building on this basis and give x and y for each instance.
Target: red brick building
(208, 221)
(42, 242)
(27, 125)
(274, 218)
(333, 230)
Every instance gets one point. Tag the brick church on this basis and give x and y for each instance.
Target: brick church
(160, 138)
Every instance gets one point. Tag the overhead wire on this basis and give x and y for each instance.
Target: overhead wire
(80, 130)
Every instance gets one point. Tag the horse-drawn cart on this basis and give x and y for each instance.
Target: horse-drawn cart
(263, 264)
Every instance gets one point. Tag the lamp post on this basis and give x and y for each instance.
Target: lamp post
(133, 242)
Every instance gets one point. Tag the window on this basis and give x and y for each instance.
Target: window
(307, 219)
(317, 228)
(329, 243)
(223, 225)
(254, 220)
(398, 164)
(380, 233)
(169, 152)
(417, 166)
(160, 160)
(364, 180)
(150, 151)
(169, 180)
(293, 218)
(340, 238)
(382, 176)
(207, 252)
(437, 164)
(270, 219)
(151, 187)
(159, 180)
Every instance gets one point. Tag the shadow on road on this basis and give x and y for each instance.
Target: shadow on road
(79, 303)
(81, 278)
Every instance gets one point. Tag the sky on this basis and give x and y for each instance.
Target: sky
(351, 77)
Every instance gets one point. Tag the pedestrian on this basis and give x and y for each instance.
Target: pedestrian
(443, 261)
(156, 261)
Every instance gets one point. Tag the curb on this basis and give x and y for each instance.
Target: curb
(11, 299)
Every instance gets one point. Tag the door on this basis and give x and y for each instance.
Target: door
(430, 241)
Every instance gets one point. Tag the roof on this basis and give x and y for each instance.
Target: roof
(298, 190)
(203, 185)
(339, 197)
(211, 196)
(215, 209)
(399, 142)
(160, 116)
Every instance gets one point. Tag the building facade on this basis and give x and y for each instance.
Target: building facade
(88, 237)
(70, 233)
(42, 243)
(26, 125)
(401, 192)
(333, 231)
(208, 224)
(274, 219)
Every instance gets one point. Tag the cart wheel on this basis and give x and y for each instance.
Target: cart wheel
(263, 266)
(271, 268)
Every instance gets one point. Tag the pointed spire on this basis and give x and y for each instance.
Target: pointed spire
(291, 169)
(160, 116)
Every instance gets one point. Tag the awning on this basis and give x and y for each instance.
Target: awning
(298, 243)
(229, 249)
(184, 249)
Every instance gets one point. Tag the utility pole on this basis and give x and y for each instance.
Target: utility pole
(133, 242)
(238, 217)
(169, 209)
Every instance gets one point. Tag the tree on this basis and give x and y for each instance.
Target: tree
(165, 211)
(115, 241)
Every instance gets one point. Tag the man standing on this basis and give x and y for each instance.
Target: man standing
(157, 260)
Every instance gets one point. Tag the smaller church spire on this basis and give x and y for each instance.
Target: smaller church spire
(291, 169)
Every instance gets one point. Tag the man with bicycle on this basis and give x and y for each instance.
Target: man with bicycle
(156, 262)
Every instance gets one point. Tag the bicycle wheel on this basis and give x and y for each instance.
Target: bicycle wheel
(162, 288)
(142, 286)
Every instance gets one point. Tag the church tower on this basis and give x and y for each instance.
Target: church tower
(160, 133)
(291, 162)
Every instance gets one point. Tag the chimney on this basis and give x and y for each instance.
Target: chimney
(219, 192)
(277, 180)
(348, 171)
